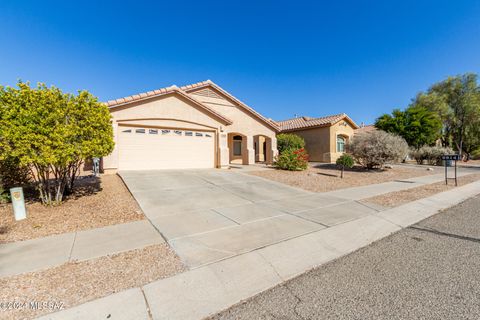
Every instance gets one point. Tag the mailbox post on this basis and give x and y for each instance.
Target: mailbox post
(96, 167)
(450, 157)
(18, 203)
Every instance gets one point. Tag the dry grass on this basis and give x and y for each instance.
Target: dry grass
(325, 177)
(74, 283)
(397, 198)
(96, 203)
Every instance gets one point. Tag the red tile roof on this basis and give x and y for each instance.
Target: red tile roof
(308, 122)
(184, 91)
(165, 91)
(365, 129)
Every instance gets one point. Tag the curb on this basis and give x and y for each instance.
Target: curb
(207, 290)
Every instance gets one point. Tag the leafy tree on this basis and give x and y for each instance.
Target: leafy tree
(345, 161)
(417, 125)
(286, 141)
(52, 133)
(457, 101)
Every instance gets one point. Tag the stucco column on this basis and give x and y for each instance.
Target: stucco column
(250, 151)
(224, 152)
(274, 147)
(256, 140)
(111, 161)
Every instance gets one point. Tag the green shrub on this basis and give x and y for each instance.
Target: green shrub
(476, 154)
(345, 161)
(293, 160)
(433, 155)
(4, 195)
(12, 174)
(374, 149)
(287, 141)
(52, 133)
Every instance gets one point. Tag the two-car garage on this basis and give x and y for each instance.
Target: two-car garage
(152, 148)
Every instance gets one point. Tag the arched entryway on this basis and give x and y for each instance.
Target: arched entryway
(263, 149)
(237, 144)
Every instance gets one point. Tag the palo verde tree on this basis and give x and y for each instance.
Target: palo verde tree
(52, 133)
(457, 101)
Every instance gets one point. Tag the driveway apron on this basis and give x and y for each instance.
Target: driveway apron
(209, 215)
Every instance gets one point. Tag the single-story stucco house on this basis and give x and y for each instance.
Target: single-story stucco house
(194, 126)
(325, 137)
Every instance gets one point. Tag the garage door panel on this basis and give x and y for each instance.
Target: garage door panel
(145, 151)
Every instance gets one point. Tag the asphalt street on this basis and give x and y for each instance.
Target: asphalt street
(428, 271)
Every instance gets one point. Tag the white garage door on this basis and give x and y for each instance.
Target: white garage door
(156, 148)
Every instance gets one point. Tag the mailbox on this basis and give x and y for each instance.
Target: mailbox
(18, 203)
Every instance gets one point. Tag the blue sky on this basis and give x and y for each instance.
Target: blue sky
(311, 58)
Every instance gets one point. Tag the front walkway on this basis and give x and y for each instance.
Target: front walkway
(38, 254)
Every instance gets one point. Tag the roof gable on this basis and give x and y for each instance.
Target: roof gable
(214, 89)
(309, 122)
(173, 90)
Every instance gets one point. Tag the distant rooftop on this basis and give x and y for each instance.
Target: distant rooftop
(309, 122)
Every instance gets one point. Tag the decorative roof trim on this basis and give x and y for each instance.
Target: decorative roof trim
(162, 92)
(208, 83)
(303, 123)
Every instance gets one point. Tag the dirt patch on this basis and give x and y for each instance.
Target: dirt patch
(97, 202)
(394, 199)
(325, 177)
(75, 283)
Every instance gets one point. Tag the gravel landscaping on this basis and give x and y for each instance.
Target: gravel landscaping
(394, 199)
(75, 283)
(326, 177)
(96, 203)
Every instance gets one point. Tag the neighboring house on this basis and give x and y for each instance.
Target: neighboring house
(365, 129)
(194, 126)
(325, 137)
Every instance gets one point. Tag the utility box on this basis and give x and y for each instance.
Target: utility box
(18, 203)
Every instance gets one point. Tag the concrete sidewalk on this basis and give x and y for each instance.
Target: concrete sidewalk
(249, 220)
(372, 190)
(43, 253)
(201, 292)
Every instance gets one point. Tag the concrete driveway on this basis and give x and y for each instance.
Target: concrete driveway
(210, 215)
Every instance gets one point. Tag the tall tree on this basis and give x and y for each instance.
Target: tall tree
(417, 125)
(457, 100)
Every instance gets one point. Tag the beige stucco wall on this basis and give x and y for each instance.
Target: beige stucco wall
(321, 142)
(243, 122)
(342, 128)
(316, 142)
(170, 111)
(174, 111)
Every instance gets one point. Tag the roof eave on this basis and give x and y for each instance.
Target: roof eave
(273, 125)
(223, 119)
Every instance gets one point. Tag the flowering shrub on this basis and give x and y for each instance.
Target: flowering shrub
(292, 159)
